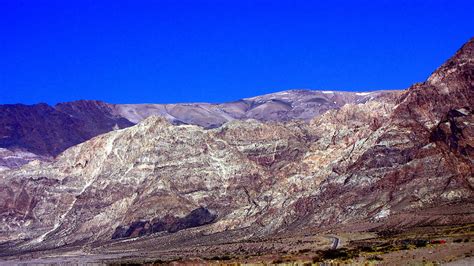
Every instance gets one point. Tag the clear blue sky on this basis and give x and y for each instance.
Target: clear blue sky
(219, 50)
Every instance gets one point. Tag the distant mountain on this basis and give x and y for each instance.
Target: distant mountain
(280, 106)
(380, 162)
(48, 130)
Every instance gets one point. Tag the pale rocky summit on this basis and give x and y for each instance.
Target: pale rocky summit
(389, 160)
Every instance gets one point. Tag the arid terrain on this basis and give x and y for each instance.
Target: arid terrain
(417, 245)
(298, 176)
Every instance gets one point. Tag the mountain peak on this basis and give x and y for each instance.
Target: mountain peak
(459, 66)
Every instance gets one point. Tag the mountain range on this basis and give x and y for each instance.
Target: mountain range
(46, 131)
(173, 180)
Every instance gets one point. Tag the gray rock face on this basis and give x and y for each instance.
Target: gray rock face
(390, 160)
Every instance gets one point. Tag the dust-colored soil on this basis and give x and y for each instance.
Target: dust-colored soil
(417, 246)
(433, 254)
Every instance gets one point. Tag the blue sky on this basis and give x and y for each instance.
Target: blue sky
(220, 50)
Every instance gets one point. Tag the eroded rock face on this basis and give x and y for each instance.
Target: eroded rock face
(396, 160)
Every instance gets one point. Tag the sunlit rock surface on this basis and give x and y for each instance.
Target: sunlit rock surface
(394, 160)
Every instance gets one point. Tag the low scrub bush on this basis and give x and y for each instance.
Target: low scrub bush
(376, 258)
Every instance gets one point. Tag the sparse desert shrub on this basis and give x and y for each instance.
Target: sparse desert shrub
(387, 248)
(157, 262)
(376, 258)
(367, 249)
(278, 261)
(224, 257)
(389, 232)
(342, 254)
(304, 250)
(404, 247)
(317, 259)
(421, 243)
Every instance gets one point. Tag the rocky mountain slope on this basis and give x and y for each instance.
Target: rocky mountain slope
(47, 130)
(393, 161)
